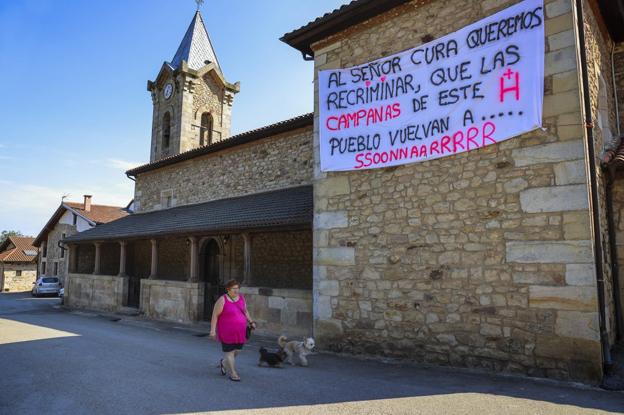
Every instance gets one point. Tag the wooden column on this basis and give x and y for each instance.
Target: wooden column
(247, 277)
(154, 268)
(98, 254)
(73, 259)
(194, 265)
(122, 258)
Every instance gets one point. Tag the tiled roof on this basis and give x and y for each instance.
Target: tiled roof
(286, 207)
(195, 47)
(99, 213)
(235, 140)
(336, 21)
(23, 247)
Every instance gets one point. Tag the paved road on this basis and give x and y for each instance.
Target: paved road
(58, 362)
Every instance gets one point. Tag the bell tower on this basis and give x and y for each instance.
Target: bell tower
(191, 98)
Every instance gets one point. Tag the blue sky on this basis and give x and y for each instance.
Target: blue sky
(75, 112)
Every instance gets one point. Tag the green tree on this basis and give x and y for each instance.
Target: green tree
(5, 234)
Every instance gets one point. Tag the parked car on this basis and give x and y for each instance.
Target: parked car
(46, 285)
(62, 295)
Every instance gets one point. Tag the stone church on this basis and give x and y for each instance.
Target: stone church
(503, 258)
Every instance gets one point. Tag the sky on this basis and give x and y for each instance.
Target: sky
(74, 108)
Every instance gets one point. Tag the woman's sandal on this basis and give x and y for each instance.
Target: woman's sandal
(222, 368)
(234, 379)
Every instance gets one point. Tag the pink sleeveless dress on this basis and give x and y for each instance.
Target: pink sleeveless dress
(232, 322)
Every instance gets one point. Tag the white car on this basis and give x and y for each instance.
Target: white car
(46, 285)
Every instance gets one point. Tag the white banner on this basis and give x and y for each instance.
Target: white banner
(478, 86)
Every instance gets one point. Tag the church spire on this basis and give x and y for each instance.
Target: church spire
(195, 47)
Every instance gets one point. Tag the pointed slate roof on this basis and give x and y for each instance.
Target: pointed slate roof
(195, 47)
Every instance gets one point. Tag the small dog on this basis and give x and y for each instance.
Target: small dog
(271, 359)
(301, 349)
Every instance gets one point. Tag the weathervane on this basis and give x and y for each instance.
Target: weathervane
(199, 3)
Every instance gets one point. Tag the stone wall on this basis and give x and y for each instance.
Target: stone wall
(95, 292)
(86, 258)
(139, 259)
(280, 311)
(10, 281)
(618, 219)
(269, 164)
(282, 260)
(109, 258)
(481, 259)
(171, 300)
(193, 95)
(210, 97)
(618, 58)
(173, 259)
(54, 252)
(598, 47)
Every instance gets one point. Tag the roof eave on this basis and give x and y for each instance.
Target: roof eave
(302, 121)
(356, 12)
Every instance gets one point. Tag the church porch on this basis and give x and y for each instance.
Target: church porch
(177, 276)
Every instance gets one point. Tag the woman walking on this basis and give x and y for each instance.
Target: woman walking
(230, 319)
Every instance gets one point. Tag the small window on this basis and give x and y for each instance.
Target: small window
(18, 273)
(55, 268)
(205, 132)
(75, 219)
(43, 268)
(166, 130)
(44, 250)
(166, 199)
(63, 250)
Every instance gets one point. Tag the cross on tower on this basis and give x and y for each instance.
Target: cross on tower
(199, 3)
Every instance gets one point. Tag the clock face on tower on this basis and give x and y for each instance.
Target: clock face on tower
(168, 91)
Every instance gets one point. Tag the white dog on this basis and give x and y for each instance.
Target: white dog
(301, 349)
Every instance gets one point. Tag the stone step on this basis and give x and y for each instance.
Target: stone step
(129, 311)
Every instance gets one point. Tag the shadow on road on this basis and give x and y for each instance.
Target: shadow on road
(136, 367)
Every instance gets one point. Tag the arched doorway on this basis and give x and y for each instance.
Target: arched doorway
(211, 275)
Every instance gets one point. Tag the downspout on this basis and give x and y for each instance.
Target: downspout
(614, 259)
(615, 95)
(593, 188)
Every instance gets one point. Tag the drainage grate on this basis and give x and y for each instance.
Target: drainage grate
(201, 334)
(114, 319)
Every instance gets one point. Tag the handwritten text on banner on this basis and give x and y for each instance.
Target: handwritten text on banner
(478, 86)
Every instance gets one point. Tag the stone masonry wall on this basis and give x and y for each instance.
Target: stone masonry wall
(618, 218)
(86, 258)
(481, 259)
(273, 163)
(598, 47)
(10, 281)
(192, 96)
(282, 260)
(619, 79)
(173, 259)
(54, 253)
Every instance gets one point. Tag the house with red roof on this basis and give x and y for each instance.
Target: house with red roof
(69, 219)
(18, 263)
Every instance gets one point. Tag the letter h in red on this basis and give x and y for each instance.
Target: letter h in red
(514, 87)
